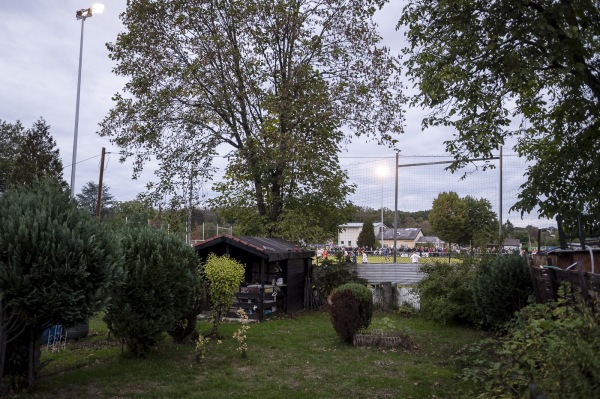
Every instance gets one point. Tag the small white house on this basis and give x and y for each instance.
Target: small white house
(349, 232)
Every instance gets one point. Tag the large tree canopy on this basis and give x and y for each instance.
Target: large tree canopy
(528, 70)
(27, 154)
(279, 85)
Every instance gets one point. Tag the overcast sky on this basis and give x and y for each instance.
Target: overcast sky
(39, 58)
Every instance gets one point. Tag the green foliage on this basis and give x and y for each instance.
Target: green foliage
(56, 267)
(159, 289)
(365, 296)
(551, 350)
(449, 217)
(479, 66)
(279, 118)
(502, 287)
(224, 276)
(131, 213)
(333, 273)
(348, 313)
(27, 155)
(464, 221)
(366, 237)
(446, 292)
(88, 199)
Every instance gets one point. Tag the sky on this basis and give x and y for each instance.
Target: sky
(39, 58)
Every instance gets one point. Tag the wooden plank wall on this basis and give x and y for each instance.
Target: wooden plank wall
(546, 283)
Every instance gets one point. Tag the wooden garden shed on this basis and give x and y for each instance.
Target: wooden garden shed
(277, 277)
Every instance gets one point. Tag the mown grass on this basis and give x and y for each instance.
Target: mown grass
(288, 357)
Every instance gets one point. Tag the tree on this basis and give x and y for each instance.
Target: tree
(509, 229)
(449, 217)
(56, 267)
(88, 199)
(482, 222)
(9, 148)
(27, 155)
(224, 276)
(529, 70)
(271, 83)
(131, 213)
(366, 237)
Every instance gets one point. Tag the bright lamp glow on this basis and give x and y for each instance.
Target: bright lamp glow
(382, 171)
(97, 8)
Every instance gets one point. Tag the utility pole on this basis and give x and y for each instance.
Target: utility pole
(99, 204)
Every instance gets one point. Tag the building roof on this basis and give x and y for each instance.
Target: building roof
(431, 239)
(512, 242)
(402, 234)
(271, 249)
(358, 225)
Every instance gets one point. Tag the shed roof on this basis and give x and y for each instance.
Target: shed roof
(271, 249)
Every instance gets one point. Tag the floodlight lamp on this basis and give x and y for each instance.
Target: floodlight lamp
(83, 13)
(97, 8)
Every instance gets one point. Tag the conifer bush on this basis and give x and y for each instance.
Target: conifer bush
(158, 291)
(57, 266)
(502, 287)
(350, 309)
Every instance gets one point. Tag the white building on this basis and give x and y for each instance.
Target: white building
(349, 232)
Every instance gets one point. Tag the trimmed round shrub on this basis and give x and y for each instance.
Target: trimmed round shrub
(502, 287)
(158, 290)
(350, 309)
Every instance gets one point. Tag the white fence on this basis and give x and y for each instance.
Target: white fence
(402, 295)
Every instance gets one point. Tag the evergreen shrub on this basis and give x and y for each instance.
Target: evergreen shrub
(158, 291)
(446, 292)
(57, 266)
(502, 287)
(350, 309)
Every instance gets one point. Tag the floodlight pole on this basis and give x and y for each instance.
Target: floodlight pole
(82, 14)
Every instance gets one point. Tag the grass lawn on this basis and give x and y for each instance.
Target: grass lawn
(297, 356)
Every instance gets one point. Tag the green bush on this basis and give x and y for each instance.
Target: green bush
(57, 266)
(333, 273)
(224, 276)
(446, 292)
(350, 309)
(158, 290)
(502, 287)
(550, 350)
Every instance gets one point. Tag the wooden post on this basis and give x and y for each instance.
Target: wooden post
(99, 204)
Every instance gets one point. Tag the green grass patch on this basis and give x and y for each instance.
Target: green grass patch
(288, 357)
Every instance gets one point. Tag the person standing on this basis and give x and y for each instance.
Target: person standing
(415, 257)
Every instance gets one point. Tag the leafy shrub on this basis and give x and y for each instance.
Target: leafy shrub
(57, 266)
(158, 289)
(350, 309)
(502, 287)
(224, 276)
(446, 292)
(333, 273)
(552, 350)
